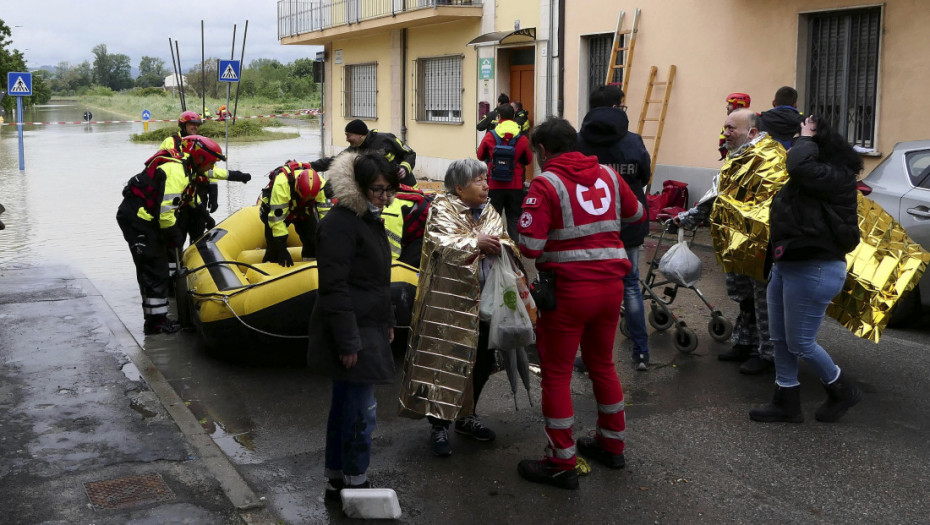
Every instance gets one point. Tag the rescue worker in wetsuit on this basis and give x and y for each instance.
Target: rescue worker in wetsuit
(405, 216)
(147, 218)
(195, 218)
(292, 196)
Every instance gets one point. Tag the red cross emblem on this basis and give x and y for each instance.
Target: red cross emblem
(596, 199)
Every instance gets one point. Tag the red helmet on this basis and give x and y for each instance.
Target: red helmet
(739, 100)
(308, 184)
(189, 117)
(202, 150)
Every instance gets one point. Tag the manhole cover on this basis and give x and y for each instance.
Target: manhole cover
(126, 492)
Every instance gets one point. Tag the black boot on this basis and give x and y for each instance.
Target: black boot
(784, 408)
(841, 395)
(738, 353)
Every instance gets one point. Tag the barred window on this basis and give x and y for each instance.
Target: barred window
(842, 71)
(361, 90)
(439, 89)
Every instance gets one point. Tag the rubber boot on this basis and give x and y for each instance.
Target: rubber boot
(784, 408)
(841, 395)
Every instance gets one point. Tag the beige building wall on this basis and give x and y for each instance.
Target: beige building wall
(374, 49)
(746, 46)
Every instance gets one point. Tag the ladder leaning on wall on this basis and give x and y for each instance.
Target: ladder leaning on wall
(622, 63)
(650, 103)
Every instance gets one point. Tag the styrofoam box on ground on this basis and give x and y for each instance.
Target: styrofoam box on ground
(370, 503)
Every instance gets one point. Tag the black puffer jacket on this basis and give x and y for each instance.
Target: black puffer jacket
(353, 312)
(604, 134)
(814, 215)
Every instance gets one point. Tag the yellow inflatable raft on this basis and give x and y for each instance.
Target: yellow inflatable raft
(237, 302)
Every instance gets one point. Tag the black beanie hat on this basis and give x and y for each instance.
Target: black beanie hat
(357, 127)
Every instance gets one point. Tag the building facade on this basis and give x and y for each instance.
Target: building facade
(425, 70)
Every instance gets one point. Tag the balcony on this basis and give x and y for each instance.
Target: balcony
(316, 22)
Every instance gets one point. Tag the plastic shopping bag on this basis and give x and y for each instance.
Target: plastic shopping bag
(510, 323)
(679, 264)
(491, 283)
(523, 288)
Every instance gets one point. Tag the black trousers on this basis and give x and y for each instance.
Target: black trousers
(150, 256)
(509, 203)
(484, 364)
(193, 220)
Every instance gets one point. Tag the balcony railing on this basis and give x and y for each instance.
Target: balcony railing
(305, 16)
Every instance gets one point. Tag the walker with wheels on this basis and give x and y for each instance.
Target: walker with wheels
(661, 317)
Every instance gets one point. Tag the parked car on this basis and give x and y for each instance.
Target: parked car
(901, 185)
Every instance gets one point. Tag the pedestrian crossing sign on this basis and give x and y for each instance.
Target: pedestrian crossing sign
(228, 71)
(19, 84)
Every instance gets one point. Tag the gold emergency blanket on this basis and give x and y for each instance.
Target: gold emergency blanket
(740, 219)
(444, 327)
(885, 265)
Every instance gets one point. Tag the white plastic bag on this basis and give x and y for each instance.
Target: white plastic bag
(679, 264)
(510, 323)
(491, 283)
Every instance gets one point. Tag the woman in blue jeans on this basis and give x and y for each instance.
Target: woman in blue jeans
(352, 323)
(814, 224)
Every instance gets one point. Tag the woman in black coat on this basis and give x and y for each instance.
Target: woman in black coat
(814, 224)
(351, 326)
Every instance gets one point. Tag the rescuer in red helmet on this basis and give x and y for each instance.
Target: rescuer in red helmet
(292, 196)
(195, 218)
(147, 218)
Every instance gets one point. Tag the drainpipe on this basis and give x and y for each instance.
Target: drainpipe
(549, 50)
(561, 39)
(403, 83)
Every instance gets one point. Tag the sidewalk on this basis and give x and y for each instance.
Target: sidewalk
(90, 432)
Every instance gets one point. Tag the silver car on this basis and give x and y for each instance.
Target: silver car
(901, 185)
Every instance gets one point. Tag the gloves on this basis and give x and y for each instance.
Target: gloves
(173, 237)
(239, 176)
(281, 255)
(213, 194)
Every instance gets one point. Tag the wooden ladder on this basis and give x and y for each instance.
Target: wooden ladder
(644, 117)
(626, 59)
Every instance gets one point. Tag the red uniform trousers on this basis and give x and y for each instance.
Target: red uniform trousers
(586, 313)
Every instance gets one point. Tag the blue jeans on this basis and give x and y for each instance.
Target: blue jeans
(348, 431)
(633, 309)
(798, 295)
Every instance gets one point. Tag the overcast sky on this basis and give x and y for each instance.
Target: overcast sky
(67, 30)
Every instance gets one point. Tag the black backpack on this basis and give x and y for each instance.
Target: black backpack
(503, 158)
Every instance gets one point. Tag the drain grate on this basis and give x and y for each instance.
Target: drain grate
(126, 492)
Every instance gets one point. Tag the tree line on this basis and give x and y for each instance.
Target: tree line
(111, 72)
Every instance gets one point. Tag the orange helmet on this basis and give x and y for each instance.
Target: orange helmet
(203, 151)
(308, 184)
(739, 100)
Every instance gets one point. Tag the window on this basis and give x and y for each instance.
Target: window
(361, 91)
(842, 71)
(918, 168)
(439, 89)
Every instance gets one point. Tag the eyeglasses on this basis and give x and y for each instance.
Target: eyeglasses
(379, 191)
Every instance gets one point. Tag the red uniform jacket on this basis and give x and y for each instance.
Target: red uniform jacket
(507, 129)
(571, 219)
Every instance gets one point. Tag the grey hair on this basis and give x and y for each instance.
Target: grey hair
(461, 172)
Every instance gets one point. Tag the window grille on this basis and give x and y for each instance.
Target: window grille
(439, 89)
(599, 47)
(361, 91)
(842, 71)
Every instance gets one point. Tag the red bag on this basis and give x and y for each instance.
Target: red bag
(674, 195)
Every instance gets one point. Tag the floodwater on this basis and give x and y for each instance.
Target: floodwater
(61, 210)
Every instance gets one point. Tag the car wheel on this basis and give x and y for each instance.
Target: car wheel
(907, 311)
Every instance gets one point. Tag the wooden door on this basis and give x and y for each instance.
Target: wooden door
(523, 87)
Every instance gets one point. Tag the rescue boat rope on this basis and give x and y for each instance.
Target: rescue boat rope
(250, 327)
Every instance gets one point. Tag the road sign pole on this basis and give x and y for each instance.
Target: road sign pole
(19, 126)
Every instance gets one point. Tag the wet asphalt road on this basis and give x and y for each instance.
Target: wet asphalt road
(693, 456)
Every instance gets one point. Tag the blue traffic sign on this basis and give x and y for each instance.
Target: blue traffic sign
(19, 84)
(228, 71)
(146, 114)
